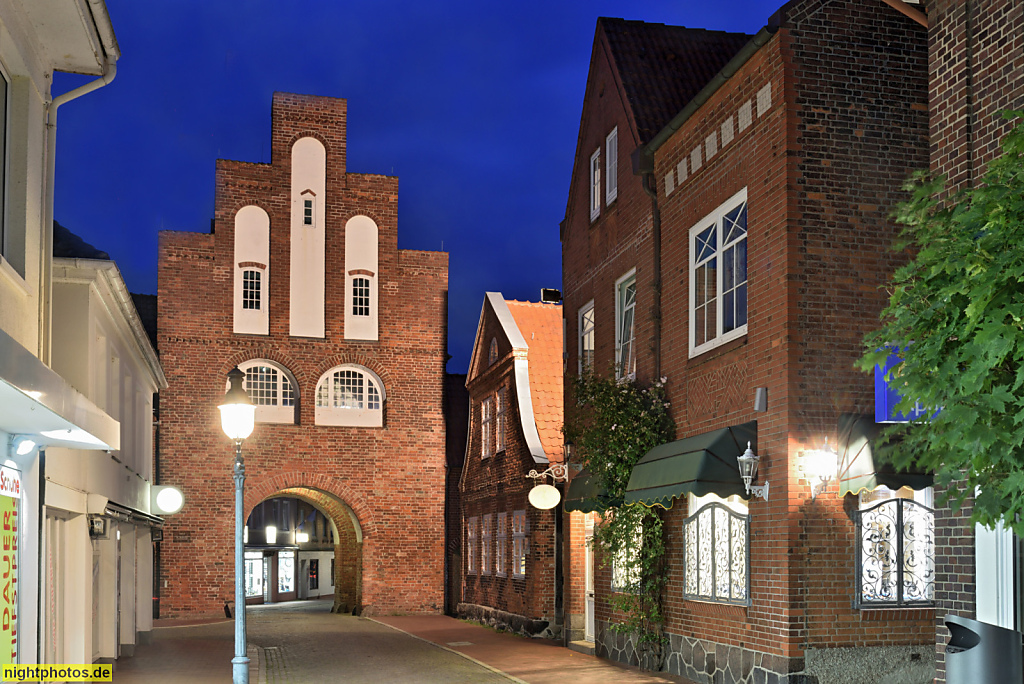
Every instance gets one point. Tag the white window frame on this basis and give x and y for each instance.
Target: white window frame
(362, 296)
(308, 209)
(350, 416)
(611, 183)
(486, 545)
(520, 543)
(258, 280)
(501, 545)
(585, 329)
(285, 405)
(724, 518)
(624, 579)
(471, 545)
(487, 427)
(715, 219)
(627, 369)
(887, 512)
(595, 184)
(500, 415)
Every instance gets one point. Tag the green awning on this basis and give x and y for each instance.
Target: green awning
(700, 465)
(586, 494)
(863, 464)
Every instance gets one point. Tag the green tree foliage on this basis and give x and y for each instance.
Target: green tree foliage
(613, 424)
(956, 315)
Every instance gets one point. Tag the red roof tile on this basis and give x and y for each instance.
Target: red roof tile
(541, 326)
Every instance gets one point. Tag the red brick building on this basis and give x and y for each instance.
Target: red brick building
(301, 284)
(975, 72)
(750, 287)
(510, 563)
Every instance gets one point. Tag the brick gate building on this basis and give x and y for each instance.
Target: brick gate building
(342, 336)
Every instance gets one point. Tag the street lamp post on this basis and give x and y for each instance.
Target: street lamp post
(237, 418)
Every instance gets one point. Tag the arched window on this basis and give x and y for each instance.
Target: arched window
(492, 354)
(350, 395)
(361, 278)
(272, 389)
(252, 274)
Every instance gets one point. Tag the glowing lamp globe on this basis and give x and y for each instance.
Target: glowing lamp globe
(167, 500)
(237, 412)
(544, 497)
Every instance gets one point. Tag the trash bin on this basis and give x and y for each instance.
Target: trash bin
(980, 653)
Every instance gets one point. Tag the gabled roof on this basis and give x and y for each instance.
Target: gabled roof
(541, 327)
(534, 331)
(662, 67)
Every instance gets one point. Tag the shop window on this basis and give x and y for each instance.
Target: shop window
(895, 548)
(716, 543)
(285, 571)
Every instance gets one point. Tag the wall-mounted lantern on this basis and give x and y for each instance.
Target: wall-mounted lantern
(748, 463)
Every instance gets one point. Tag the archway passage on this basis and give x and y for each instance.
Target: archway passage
(299, 542)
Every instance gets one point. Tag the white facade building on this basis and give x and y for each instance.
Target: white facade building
(38, 408)
(98, 600)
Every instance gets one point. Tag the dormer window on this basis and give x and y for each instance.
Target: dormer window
(307, 212)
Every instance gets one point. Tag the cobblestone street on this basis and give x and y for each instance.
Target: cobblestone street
(303, 643)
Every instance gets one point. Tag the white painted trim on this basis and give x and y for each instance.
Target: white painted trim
(279, 413)
(740, 331)
(589, 306)
(631, 273)
(611, 180)
(327, 415)
(993, 556)
(595, 184)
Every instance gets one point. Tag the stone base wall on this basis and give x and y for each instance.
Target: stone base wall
(707, 662)
(508, 622)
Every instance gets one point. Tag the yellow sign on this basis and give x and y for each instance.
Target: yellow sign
(58, 673)
(10, 497)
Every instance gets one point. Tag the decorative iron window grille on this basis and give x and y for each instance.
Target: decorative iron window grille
(716, 564)
(895, 554)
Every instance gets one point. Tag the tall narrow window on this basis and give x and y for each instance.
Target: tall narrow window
(500, 407)
(595, 184)
(501, 547)
(586, 346)
(718, 276)
(611, 182)
(250, 289)
(471, 545)
(625, 307)
(486, 427)
(486, 547)
(360, 296)
(520, 544)
(307, 212)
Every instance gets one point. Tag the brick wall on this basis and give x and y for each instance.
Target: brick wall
(498, 484)
(975, 67)
(390, 478)
(822, 167)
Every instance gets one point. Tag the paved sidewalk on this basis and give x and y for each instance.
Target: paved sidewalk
(302, 642)
(535, 661)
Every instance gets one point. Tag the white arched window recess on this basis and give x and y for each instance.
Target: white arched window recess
(350, 395)
(252, 275)
(272, 389)
(361, 279)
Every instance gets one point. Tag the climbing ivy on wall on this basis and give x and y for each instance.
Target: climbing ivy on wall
(612, 425)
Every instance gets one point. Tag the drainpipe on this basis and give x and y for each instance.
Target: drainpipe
(651, 188)
(99, 19)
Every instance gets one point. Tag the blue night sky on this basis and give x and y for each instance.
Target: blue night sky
(474, 105)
